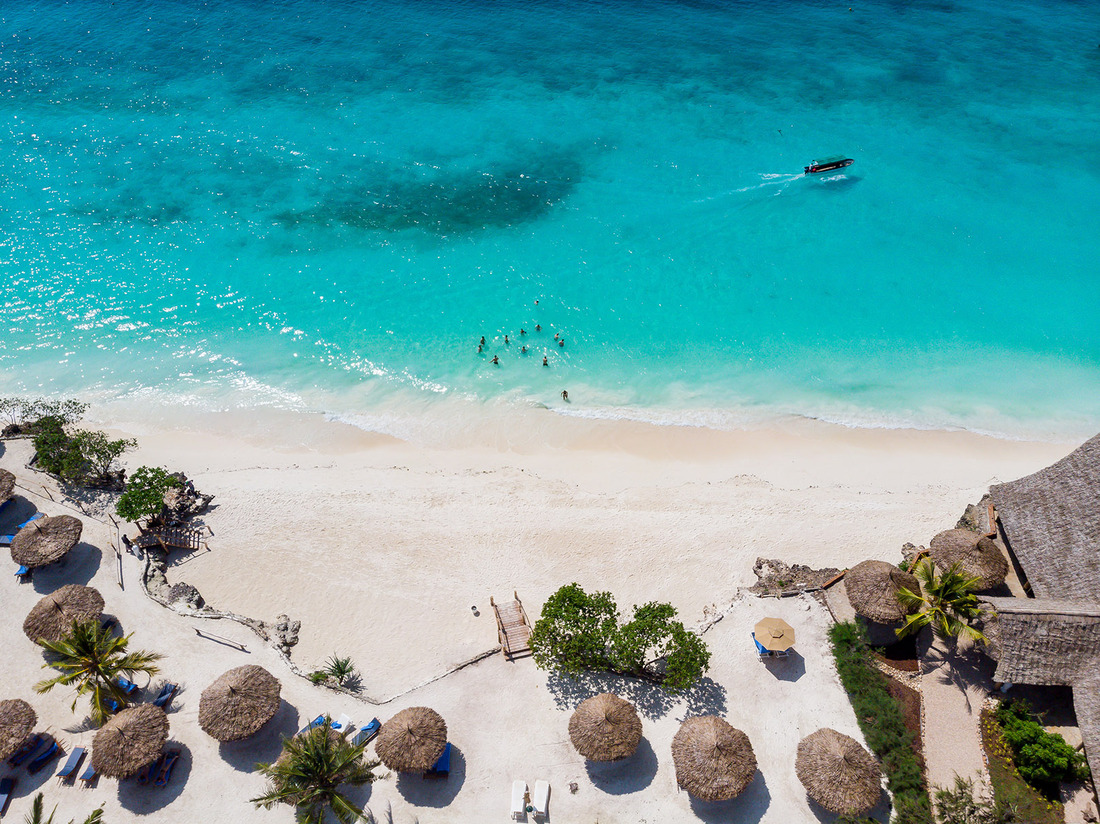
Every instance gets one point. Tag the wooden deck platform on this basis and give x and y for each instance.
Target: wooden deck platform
(513, 628)
(176, 537)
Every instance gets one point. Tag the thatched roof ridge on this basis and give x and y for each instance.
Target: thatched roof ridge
(412, 740)
(46, 540)
(129, 741)
(239, 703)
(7, 485)
(1052, 521)
(51, 619)
(605, 727)
(838, 773)
(977, 556)
(713, 761)
(17, 719)
(1042, 641)
(872, 588)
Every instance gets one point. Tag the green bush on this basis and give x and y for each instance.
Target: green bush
(84, 458)
(1043, 759)
(144, 493)
(882, 722)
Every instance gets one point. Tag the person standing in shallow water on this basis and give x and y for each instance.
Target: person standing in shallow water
(544, 361)
(565, 394)
(496, 360)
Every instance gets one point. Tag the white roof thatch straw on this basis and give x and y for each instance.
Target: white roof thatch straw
(239, 703)
(977, 556)
(838, 773)
(713, 761)
(872, 588)
(17, 719)
(605, 728)
(1050, 521)
(7, 485)
(51, 619)
(412, 740)
(129, 741)
(46, 540)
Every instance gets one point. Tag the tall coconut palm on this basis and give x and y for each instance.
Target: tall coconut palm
(37, 815)
(90, 659)
(947, 603)
(309, 773)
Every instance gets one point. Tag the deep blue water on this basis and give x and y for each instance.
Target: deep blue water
(324, 205)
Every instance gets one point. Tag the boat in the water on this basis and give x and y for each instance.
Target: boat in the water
(829, 164)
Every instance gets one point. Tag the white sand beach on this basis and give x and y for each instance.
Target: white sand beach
(380, 548)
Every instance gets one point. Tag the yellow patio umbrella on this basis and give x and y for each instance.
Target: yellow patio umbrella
(774, 634)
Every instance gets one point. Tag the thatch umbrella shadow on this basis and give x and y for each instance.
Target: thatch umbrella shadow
(266, 745)
(78, 567)
(239, 703)
(51, 619)
(434, 792)
(629, 775)
(747, 808)
(17, 720)
(46, 540)
(142, 799)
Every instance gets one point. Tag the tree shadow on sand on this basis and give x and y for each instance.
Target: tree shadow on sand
(142, 799)
(434, 792)
(628, 775)
(747, 808)
(265, 745)
(79, 566)
(707, 697)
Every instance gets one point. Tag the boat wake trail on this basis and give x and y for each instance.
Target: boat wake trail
(778, 182)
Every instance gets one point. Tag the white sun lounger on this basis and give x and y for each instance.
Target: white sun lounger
(519, 799)
(541, 799)
(343, 725)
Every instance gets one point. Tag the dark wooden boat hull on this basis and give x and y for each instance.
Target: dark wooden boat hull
(828, 167)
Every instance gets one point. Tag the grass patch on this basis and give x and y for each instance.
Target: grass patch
(1009, 788)
(882, 718)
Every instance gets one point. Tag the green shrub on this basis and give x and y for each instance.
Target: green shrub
(144, 493)
(84, 458)
(958, 805)
(1043, 759)
(882, 722)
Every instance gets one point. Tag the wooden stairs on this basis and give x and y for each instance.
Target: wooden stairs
(179, 537)
(513, 628)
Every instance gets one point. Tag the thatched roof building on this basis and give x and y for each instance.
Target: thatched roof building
(51, 619)
(7, 485)
(605, 728)
(872, 588)
(838, 773)
(239, 703)
(977, 556)
(713, 761)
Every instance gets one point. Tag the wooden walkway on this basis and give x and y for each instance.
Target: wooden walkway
(513, 628)
(178, 537)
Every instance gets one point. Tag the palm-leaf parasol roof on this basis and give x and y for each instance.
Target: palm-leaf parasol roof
(46, 540)
(872, 588)
(52, 617)
(17, 719)
(977, 556)
(838, 773)
(605, 728)
(412, 740)
(240, 702)
(714, 761)
(7, 485)
(129, 741)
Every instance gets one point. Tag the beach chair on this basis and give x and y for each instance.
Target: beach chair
(51, 752)
(782, 653)
(760, 648)
(316, 722)
(166, 693)
(26, 750)
(89, 775)
(23, 574)
(6, 786)
(519, 799)
(150, 770)
(68, 771)
(365, 735)
(5, 540)
(541, 799)
(165, 774)
(128, 687)
(112, 705)
(33, 517)
(442, 767)
(343, 724)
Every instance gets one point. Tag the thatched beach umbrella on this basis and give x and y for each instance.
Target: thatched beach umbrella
(605, 728)
(129, 741)
(46, 540)
(714, 761)
(412, 740)
(873, 591)
(240, 702)
(977, 556)
(17, 719)
(774, 634)
(7, 485)
(51, 619)
(838, 773)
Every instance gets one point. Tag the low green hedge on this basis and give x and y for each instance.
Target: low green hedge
(1043, 759)
(882, 723)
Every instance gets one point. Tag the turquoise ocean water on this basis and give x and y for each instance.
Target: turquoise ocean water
(323, 205)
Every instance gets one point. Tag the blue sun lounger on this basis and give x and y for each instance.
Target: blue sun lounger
(166, 693)
(5, 540)
(26, 750)
(69, 769)
(150, 770)
(165, 774)
(89, 775)
(442, 767)
(23, 573)
(368, 732)
(33, 517)
(128, 687)
(49, 754)
(764, 653)
(319, 721)
(6, 786)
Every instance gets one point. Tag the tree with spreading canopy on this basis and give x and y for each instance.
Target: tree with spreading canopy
(144, 493)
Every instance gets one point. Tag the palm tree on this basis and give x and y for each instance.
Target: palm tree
(310, 771)
(91, 658)
(947, 603)
(38, 813)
